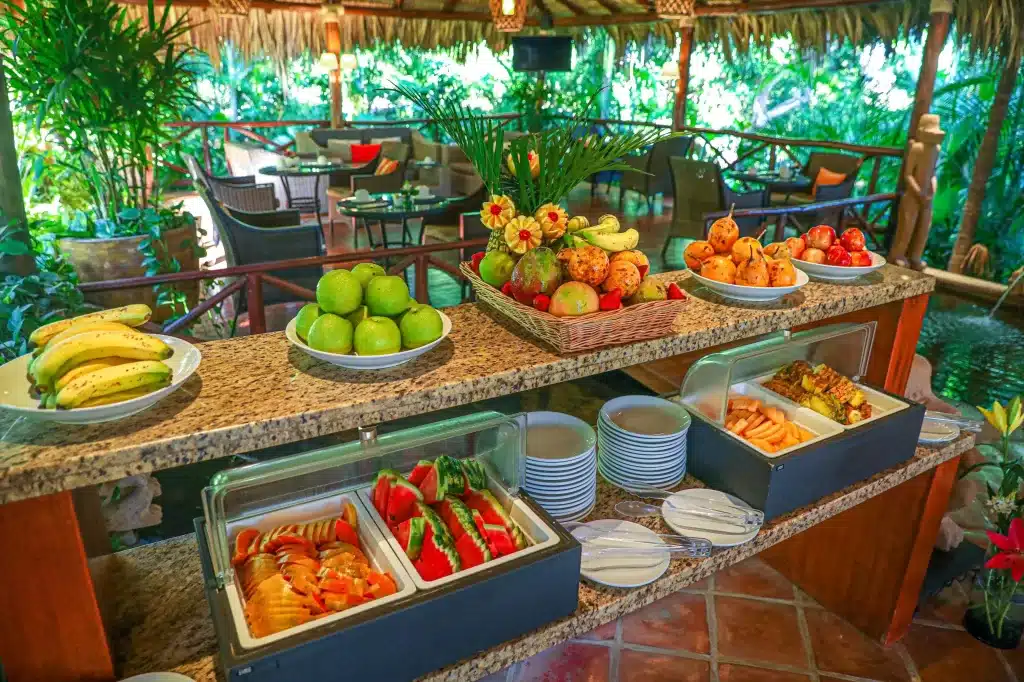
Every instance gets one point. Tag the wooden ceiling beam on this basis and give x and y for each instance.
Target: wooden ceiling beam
(449, 6)
(774, 6)
(608, 5)
(574, 7)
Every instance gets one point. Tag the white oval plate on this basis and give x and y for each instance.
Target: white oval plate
(16, 399)
(158, 677)
(573, 462)
(569, 508)
(741, 292)
(624, 570)
(584, 490)
(367, 361)
(666, 480)
(838, 273)
(643, 401)
(707, 526)
(646, 451)
(575, 517)
(549, 485)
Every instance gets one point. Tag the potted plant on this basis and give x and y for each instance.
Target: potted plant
(102, 88)
(990, 619)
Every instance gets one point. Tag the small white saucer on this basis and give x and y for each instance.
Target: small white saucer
(696, 496)
(624, 570)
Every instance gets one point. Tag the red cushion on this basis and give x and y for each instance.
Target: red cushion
(364, 153)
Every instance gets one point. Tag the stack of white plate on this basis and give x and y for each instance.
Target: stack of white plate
(561, 464)
(642, 439)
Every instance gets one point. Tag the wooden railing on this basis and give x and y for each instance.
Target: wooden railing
(845, 209)
(252, 278)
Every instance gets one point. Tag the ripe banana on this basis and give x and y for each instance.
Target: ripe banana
(600, 228)
(87, 368)
(577, 222)
(73, 351)
(80, 327)
(609, 218)
(620, 241)
(121, 396)
(117, 379)
(131, 315)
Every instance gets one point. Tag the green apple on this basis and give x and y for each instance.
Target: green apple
(387, 295)
(496, 268)
(358, 315)
(306, 317)
(331, 333)
(339, 292)
(420, 325)
(377, 335)
(365, 271)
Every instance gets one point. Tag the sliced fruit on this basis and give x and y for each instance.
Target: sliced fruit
(436, 562)
(478, 521)
(381, 488)
(435, 525)
(459, 519)
(474, 474)
(472, 549)
(246, 544)
(346, 533)
(499, 540)
(381, 584)
(402, 497)
(410, 535)
(348, 512)
(420, 471)
(451, 470)
(492, 511)
(275, 538)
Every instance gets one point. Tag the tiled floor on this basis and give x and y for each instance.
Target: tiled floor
(749, 624)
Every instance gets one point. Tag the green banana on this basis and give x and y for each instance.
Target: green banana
(109, 380)
(130, 315)
(51, 401)
(73, 351)
(42, 400)
(620, 241)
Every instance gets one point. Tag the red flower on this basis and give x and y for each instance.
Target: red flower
(1011, 545)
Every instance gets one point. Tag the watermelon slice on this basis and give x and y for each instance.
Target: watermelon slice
(401, 499)
(437, 560)
(469, 542)
(451, 469)
(381, 488)
(474, 474)
(478, 521)
(410, 534)
(499, 540)
(420, 471)
(435, 526)
(492, 511)
(472, 550)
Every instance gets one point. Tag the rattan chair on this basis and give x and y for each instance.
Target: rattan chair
(847, 164)
(647, 174)
(237, 192)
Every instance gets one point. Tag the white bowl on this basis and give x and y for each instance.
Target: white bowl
(544, 418)
(628, 401)
(367, 361)
(610, 437)
(741, 292)
(15, 396)
(839, 273)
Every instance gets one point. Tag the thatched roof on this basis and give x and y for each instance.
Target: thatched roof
(283, 29)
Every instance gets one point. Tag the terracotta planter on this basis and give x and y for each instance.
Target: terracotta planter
(96, 260)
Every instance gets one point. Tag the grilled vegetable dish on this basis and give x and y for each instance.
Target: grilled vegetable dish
(822, 389)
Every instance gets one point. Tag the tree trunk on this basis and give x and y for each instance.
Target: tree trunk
(984, 163)
(683, 83)
(12, 203)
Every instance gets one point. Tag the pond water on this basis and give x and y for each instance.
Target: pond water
(975, 359)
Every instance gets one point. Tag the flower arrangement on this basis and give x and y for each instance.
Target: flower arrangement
(988, 620)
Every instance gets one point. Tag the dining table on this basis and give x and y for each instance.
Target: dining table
(391, 208)
(304, 170)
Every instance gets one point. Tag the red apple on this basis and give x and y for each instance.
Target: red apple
(796, 246)
(821, 237)
(860, 259)
(813, 255)
(852, 239)
(837, 255)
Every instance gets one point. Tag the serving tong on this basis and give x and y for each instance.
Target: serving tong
(962, 423)
(622, 542)
(745, 519)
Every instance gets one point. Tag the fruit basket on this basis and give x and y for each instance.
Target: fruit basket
(638, 322)
(779, 454)
(283, 613)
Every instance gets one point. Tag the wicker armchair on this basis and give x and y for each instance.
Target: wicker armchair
(647, 174)
(238, 192)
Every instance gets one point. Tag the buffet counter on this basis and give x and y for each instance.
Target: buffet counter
(162, 620)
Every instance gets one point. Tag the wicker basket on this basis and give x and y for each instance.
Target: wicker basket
(588, 332)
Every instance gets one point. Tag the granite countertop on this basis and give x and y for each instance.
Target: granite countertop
(162, 620)
(255, 392)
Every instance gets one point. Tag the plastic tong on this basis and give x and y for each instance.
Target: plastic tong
(729, 514)
(602, 542)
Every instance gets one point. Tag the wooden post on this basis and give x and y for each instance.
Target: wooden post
(254, 303)
(207, 159)
(12, 203)
(332, 36)
(686, 25)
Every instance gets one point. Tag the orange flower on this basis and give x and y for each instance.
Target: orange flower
(552, 219)
(522, 234)
(497, 212)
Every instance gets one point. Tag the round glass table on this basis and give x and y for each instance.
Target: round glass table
(298, 176)
(394, 209)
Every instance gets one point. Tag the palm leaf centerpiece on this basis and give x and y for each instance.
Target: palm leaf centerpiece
(558, 159)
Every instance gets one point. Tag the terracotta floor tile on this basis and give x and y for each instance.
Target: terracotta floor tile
(759, 631)
(641, 666)
(756, 578)
(602, 633)
(952, 656)
(948, 606)
(743, 673)
(701, 585)
(568, 662)
(1016, 660)
(841, 648)
(678, 621)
